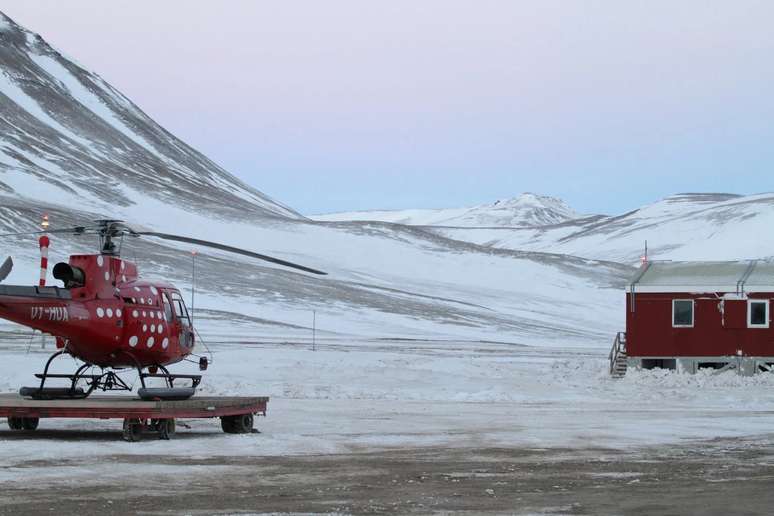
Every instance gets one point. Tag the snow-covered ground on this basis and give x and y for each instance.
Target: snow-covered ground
(352, 396)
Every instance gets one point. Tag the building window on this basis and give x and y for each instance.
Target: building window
(682, 313)
(758, 313)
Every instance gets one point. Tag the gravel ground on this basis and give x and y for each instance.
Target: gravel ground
(717, 477)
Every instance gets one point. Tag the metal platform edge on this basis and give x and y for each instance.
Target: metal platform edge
(115, 407)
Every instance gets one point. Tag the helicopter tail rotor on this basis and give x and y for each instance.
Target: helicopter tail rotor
(6, 268)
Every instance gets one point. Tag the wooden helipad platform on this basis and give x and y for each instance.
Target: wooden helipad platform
(124, 407)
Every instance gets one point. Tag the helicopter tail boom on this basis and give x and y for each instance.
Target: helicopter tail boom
(41, 308)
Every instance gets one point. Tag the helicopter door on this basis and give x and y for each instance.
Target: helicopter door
(184, 327)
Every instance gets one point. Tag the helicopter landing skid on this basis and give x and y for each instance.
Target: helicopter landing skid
(107, 381)
(170, 393)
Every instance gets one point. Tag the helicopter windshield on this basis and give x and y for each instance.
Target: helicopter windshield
(180, 310)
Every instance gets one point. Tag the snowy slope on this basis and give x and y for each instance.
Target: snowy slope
(69, 137)
(72, 146)
(681, 227)
(385, 281)
(525, 210)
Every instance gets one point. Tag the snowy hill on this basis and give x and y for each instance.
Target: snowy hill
(72, 146)
(681, 227)
(525, 210)
(68, 136)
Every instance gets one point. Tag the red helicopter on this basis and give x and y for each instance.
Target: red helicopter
(109, 318)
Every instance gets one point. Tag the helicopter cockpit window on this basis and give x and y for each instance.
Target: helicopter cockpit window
(167, 308)
(180, 310)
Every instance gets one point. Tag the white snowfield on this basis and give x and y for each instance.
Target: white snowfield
(681, 227)
(355, 396)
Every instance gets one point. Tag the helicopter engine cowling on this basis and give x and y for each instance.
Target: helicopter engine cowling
(73, 277)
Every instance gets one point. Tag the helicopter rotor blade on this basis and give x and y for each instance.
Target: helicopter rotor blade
(228, 248)
(6, 268)
(77, 230)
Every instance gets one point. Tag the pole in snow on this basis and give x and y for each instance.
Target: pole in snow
(314, 330)
(193, 283)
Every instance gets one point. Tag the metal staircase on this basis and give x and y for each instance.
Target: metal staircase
(618, 357)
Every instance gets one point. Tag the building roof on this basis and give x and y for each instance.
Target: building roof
(738, 277)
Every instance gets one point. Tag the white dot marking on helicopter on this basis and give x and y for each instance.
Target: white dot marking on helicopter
(160, 329)
(154, 291)
(152, 315)
(133, 340)
(100, 260)
(118, 312)
(123, 278)
(144, 328)
(107, 276)
(151, 341)
(153, 328)
(137, 289)
(144, 313)
(158, 314)
(165, 343)
(135, 314)
(123, 265)
(109, 312)
(100, 313)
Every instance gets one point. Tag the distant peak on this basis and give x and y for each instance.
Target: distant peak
(11, 33)
(526, 209)
(7, 24)
(529, 197)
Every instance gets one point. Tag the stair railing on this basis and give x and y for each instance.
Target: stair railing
(619, 347)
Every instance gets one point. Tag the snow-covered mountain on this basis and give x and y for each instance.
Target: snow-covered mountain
(680, 227)
(69, 137)
(527, 209)
(72, 146)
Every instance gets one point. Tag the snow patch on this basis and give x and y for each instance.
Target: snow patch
(17, 95)
(90, 100)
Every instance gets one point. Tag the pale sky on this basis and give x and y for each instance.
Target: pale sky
(346, 105)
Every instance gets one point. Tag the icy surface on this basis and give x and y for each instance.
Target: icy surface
(351, 396)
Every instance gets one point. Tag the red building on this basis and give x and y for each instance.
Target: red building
(689, 315)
